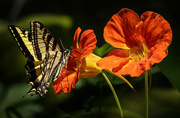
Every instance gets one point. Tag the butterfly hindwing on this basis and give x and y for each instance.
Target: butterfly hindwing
(34, 73)
(41, 73)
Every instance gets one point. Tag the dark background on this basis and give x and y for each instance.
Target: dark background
(91, 97)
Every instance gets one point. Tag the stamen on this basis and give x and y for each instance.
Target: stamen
(138, 53)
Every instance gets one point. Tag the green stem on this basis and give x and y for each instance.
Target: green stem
(114, 93)
(146, 93)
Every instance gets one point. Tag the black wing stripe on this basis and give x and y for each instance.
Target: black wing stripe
(36, 43)
(42, 40)
(54, 45)
(19, 33)
(49, 38)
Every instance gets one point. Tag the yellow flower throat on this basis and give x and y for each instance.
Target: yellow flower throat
(136, 54)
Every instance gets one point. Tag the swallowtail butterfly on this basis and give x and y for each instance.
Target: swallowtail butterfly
(45, 58)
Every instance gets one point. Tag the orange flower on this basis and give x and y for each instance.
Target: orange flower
(140, 42)
(82, 64)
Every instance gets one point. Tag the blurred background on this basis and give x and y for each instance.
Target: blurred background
(91, 97)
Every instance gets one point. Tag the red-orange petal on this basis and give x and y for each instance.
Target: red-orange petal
(84, 45)
(119, 31)
(87, 43)
(119, 53)
(113, 59)
(158, 52)
(68, 77)
(76, 38)
(156, 55)
(110, 62)
(75, 49)
(131, 68)
(155, 29)
(65, 82)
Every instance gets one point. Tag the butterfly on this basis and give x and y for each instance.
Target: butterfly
(45, 57)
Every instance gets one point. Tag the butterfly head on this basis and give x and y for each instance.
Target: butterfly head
(66, 53)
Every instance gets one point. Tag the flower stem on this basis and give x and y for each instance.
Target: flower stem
(146, 94)
(114, 93)
(150, 78)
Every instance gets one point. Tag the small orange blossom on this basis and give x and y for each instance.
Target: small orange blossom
(82, 64)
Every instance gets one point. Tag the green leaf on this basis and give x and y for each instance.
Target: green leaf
(104, 49)
(14, 95)
(14, 105)
(170, 66)
(28, 110)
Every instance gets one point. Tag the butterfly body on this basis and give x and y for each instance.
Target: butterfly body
(45, 57)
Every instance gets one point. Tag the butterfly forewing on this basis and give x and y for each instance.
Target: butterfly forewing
(42, 40)
(21, 36)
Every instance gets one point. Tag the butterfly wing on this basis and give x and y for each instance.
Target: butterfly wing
(22, 38)
(42, 40)
(41, 73)
(45, 57)
(34, 73)
(52, 60)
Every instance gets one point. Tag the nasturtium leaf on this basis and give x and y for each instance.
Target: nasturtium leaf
(170, 66)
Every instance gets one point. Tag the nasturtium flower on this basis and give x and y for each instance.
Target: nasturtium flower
(82, 63)
(139, 42)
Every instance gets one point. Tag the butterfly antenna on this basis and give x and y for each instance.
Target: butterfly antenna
(61, 44)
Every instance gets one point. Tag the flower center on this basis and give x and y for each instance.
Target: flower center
(138, 53)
